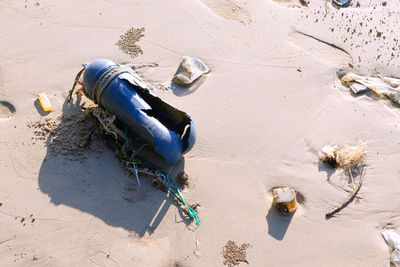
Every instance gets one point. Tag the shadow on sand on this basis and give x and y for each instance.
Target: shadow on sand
(183, 91)
(102, 188)
(278, 223)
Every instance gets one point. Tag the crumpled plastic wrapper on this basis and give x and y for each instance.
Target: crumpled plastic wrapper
(382, 86)
(189, 70)
(393, 241)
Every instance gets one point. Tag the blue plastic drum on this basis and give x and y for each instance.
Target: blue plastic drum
(120, 90)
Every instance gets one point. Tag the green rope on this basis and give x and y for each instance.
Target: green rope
(192, 213)
(176, 192)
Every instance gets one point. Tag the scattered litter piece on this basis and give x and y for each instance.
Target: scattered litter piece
(234, 254)
(284, 199)
(44, 102)
(382, 86)
(189, 70)
(393, 241)
(350, 158)
(344, 156)
(342, 3)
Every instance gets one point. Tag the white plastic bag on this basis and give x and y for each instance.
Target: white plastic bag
(189, 70)
(393, 241)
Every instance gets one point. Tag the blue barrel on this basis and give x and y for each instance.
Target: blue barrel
(120, 90)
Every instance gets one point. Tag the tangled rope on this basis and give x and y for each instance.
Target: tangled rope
(133, 163)
(136, 165)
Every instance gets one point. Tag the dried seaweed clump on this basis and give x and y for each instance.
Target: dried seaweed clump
(234, 254)
(127, 42)
(69, 136)
(351, 158)
(344, 156)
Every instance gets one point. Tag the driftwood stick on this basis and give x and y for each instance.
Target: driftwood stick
(350, 199)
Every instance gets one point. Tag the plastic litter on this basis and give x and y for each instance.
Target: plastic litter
(189, 70)
(120, 91)
(134, 164)
(44, 102)
(393, 241)
(342, 3)
(382, 86)
(284, 199)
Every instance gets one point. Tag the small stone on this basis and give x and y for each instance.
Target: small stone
(182, 178)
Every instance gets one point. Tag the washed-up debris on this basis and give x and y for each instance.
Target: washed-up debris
(120, 91)
(131, 161)
(129, 114)
(380, 85)
(342, 3)
(44, 102)
(234, 254)
(70, 136)
(284, 199)
(350, 158)
(393, 241)
(344, 156)
(189, 70)
(128, 42)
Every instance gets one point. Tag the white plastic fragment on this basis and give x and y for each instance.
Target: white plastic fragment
(189, 70)
(341, 3)
(393, 241)
(382, 86)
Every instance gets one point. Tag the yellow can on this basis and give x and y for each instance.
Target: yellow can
(44, 102)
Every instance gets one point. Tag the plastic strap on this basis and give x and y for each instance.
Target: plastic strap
(106, 78)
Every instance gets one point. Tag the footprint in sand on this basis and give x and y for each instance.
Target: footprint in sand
(293, 3)
(228, 10)
(7, 109)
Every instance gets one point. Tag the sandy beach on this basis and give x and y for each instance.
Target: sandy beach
(272, 100)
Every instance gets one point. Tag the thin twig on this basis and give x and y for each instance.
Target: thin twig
(350, 199)
(352, 179)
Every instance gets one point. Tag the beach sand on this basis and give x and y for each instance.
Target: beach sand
(270, 103)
